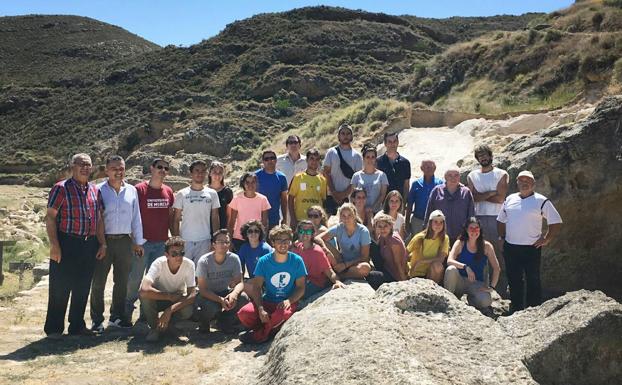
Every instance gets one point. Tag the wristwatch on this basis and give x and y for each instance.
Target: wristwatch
(501, 238)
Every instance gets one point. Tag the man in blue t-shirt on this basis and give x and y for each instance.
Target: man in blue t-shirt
(273, 184)
(282, 275)
(419, 195)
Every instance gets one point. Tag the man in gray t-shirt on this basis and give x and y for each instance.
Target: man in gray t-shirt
(219, 277)
(339, 184)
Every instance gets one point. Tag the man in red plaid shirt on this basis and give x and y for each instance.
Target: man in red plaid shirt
(75, 229)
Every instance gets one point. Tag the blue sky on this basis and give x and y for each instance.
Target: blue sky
(188, 22)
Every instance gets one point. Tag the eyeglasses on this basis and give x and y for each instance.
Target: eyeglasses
(160, 167)
(83, 165)
(253, 231)
(306, 232)
(292, 142)
(178, 253)
(269, 158)
(282, 240)
(314, 216)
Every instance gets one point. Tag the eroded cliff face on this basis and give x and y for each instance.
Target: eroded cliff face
(416, 332)
(579, 167)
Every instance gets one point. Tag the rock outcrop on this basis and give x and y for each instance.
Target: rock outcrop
(415, 332)
(579, 167)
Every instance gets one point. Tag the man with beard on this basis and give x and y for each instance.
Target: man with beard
(196, 207)
(340, 164)
(489, 186)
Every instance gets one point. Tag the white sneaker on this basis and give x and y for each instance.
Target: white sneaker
(153, 336)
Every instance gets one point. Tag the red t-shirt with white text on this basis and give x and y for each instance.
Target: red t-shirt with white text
(154, 210)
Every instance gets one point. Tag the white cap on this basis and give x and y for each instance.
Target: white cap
(526, 173)
(437, 214)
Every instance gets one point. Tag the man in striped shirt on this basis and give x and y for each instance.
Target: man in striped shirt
(75, 230)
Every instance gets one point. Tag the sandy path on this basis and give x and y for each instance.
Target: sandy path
(116, 357)
(441, 144)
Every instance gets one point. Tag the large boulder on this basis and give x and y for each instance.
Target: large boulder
(415, 332)
(573, 339)
(579, 167)
(412, 332)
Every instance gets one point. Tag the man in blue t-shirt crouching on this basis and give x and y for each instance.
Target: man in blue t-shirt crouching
(280, 275)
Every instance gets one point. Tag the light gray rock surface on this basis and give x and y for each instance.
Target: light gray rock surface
(579, 167)
(415, 332)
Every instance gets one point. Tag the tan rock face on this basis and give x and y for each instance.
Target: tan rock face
(579, 167)
(415, 332)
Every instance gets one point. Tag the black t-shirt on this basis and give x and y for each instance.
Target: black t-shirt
(224, 196)
(397, 172)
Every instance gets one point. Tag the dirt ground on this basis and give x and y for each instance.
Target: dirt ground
(115, 357)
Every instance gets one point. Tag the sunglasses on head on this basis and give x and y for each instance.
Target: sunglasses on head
(305, 232)
(160, 167)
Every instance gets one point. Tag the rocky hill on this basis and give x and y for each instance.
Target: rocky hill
(225, 95)
(274, 73)
(59, 50)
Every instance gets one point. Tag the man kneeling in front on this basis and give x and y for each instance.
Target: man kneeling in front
(278, 285)
(162, 289)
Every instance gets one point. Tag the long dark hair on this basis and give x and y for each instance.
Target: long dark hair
(480, 253)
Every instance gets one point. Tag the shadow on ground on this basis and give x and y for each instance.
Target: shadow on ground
(136, 342)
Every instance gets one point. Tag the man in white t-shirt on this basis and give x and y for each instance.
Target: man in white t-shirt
(163, 287)
(489, 186)
(196, 207)
(339, 187)
(520, 225)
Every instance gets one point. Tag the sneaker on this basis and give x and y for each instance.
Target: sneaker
(119, 323)
(153, 336)
(97, 328)
(247, 337)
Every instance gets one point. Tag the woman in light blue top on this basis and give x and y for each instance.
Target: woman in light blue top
(353, 239)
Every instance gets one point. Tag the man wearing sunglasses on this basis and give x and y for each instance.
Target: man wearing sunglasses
(273, 184)
(162, 289)
(156, 211)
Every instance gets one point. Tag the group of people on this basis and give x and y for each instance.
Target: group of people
(245, 260)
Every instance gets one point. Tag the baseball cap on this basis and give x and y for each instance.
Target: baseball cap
(526, 173)
(437, 214)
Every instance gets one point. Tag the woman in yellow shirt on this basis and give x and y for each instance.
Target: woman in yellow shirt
(429, 249)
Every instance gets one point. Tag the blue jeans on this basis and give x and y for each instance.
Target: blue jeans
(140, 265)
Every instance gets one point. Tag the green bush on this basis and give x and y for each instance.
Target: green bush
(552, 35)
